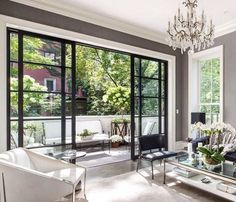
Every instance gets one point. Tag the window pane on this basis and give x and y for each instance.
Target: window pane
(136, 66)
(216, 89)
(52, 132)
(136, 86)
(41, 51)
(68, 131)
(207, 110)
(150, 106)
(150, 125)
(14, 134)
(42, 78)
(13, 46)
(150, 69)
(68, 55)
(150, 88)
(210, 88)
(206, 93)
(69, 105)
(215, 113)
(33, 134)
(14, 76)
(41, 104)
(14, 104)
(68, 81)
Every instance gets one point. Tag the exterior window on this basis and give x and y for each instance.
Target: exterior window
(209, 76)
(50, 84)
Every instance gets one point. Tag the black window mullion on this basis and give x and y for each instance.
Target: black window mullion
(20, 90)
(159, 100)
(166, 103)
(63, 96)
(132, 105)
(140, 96)
(73, 100)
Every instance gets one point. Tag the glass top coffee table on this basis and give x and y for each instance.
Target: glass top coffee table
(71, 155)
(199, 176)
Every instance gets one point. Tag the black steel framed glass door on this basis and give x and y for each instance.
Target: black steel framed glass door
(39, 112)
(149, 105)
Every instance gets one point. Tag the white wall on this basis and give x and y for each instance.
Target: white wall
(3, 86)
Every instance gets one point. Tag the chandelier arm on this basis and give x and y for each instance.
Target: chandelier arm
(168, 31)
(210, 33)
(198, 23)
(179, 31)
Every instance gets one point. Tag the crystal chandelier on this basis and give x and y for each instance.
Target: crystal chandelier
(190, 31)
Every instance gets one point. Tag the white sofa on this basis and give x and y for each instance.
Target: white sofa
(26, 176)
(52, 131)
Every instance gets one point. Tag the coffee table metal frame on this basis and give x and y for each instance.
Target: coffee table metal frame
(198, 171)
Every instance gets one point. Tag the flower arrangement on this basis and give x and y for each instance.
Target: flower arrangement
(116, 138)
(213, 152)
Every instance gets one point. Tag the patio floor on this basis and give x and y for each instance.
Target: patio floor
(98, 158)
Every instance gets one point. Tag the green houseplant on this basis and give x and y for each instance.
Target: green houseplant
(86, 135)
(212, 154)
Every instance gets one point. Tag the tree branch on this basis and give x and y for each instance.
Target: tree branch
(104, 68)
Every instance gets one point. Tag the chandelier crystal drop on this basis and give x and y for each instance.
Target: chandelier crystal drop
(190, 31)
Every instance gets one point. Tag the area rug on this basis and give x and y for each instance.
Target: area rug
(138, 187)
(102, 158)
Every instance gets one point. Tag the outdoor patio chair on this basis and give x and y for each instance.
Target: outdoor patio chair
(152, 149)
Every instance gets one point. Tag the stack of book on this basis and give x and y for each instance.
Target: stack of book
(183, 172)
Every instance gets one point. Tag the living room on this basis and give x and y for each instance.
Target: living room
(100, 97)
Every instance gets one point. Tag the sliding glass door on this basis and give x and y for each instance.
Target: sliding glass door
(40, 90)
(52, 82)
(149, 99)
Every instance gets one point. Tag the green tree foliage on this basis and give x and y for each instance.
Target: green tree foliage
(98, 71)
(119, 98)
(210, 87)
(32, 101)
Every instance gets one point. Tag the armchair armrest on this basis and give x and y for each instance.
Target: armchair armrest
(36, 186)
(47, 164)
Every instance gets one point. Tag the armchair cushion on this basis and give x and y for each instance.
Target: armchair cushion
(158, 155)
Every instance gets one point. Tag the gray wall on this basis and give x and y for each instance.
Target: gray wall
(40, 16)
(229, 96)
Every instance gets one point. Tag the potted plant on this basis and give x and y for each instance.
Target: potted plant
(115, 141)
(213, 156)
(86, 135)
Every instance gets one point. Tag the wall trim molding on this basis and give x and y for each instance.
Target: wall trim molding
(226, 28)
(96, 19)
(61, 33)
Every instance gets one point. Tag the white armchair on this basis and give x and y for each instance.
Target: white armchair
(27, 176)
